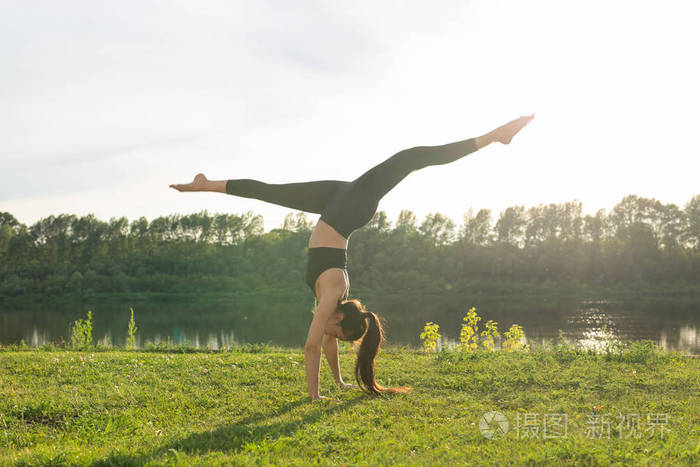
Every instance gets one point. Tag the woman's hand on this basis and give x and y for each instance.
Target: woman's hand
(323, 398)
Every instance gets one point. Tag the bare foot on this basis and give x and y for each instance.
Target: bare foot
(506, 132)
(198, 184)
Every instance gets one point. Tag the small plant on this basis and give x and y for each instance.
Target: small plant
(430, 336)
(81, 336)
(468, 336)
(644, 352)
(514, 339)
(131, 335)
(489, 335)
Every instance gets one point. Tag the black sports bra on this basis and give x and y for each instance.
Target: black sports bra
(321, 259)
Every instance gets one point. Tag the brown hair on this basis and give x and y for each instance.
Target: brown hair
(357, 323)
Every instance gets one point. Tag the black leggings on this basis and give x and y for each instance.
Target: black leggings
(347, 206)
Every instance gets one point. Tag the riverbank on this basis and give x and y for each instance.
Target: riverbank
(248, 405)
(669, 316)
(646, 291)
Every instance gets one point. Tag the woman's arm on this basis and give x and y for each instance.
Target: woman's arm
(330, 348)
(312, 349)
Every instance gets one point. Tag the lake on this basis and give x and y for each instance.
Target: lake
(225, 321)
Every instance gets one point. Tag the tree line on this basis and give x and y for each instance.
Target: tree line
(641, 240)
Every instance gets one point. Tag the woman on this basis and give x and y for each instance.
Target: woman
(345, 207)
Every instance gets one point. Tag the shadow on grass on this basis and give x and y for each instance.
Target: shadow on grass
(232, 437)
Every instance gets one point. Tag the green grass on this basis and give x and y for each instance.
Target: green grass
(248, 406)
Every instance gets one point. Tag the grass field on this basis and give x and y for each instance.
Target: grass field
(249, 406)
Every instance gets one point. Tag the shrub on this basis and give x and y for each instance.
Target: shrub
(514, 339)
(489, 335)
(468, 335)
(131, 333)
(430, 336)
(644, 351)
(81, 337)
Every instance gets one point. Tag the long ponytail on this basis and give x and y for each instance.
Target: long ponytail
(370, 326)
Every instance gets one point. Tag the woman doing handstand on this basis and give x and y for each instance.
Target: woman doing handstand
(345, 207)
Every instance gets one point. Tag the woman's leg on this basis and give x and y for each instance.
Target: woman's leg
(380, 179)
(309, 196)
(355, 204)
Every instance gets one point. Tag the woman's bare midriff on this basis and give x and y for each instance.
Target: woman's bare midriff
(324, 235)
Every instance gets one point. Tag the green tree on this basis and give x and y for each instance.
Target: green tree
(297, 222)
(476, 229)
(511, 225)
(438, 228)
(691, 236)
(406, 222)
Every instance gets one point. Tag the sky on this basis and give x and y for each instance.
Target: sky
(105, 104)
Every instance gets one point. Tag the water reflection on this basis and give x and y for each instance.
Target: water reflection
(228, 322)
(210, 341)
(687, 338)
(37, 337)
(593, 329)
